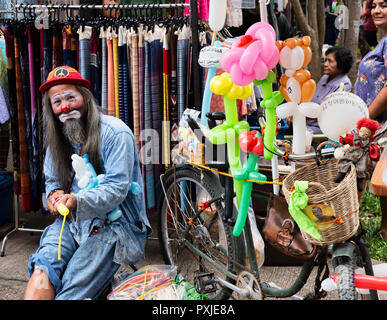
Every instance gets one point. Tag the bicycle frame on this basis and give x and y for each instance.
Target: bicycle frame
(344, 249)
(247, 237)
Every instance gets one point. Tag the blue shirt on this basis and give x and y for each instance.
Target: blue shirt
(323, 89)
(121, 164)
(372, 75)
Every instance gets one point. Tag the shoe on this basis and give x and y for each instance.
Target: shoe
(340, 176)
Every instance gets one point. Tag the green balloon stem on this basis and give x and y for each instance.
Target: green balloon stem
(251, 170)
(269, 135)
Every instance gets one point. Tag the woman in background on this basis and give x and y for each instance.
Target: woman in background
(372, 80)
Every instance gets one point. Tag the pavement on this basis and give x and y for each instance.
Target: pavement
(21, 244)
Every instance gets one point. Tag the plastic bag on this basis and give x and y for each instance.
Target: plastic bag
(143, 282)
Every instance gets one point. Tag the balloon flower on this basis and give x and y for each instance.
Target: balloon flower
(270, 102)
(250, 142)
(253, 55)
(297, 88)
(230, 129)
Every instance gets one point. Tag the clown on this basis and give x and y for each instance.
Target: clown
(92, 247)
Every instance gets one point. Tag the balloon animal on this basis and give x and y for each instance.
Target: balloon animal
(297, 88)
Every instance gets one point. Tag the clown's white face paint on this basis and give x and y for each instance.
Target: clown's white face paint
(64, 99)
(75, 114)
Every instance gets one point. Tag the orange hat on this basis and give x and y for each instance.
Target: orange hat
(64, 75)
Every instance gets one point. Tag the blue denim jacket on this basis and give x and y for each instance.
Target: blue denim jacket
(121, 164)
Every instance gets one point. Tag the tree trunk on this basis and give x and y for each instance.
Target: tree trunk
(352, 35)
(315, 28)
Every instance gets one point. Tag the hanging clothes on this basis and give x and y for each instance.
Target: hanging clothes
(84, 51)
(57, 52)
(95, 72)
(115, 69)
(165, 124)
(69, 47)
(173, 113)
(183, 46)
(23, 145)
(129, 111)
(110, 73)
(135, 89)
(13, 112)
(141, 70)
(35, 161)
(104, 72)
(147, 156)
(121, 41)
(34, 204)
(47, 53)
(122, 74)
(156, 56)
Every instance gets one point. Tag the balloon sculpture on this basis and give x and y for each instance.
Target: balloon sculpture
(216, 20)
(250, 142)
(270, 102)
(230, 129)
(253, 55)
(297, 88)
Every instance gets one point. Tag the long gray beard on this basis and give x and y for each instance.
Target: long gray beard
(74, 130)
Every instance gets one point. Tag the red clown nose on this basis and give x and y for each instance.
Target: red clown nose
(65, 109)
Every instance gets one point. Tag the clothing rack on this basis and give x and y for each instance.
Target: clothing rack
(20, 8)
(192, 5)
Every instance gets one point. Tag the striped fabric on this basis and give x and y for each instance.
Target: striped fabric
(35, 150)
(115, 69)
(129, 110)
(165, 125)
(155, 69)
(141, 68)
(23, 147)
(135, 89)
(121, 58)
(104, 83)
(173, 114)
(95, 67)
(110, 75)
(24, 67)
(84, 51)
(183, 45)
(149, 177)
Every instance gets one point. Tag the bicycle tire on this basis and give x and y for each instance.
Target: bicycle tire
(345, 270)
(208, 230)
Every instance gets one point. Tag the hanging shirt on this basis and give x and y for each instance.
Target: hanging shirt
(372, 75)
(121, 164)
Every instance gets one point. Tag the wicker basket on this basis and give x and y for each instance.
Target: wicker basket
(343, 198)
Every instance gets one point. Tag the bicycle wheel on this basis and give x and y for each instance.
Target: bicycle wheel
(346, 276)
(183, 192)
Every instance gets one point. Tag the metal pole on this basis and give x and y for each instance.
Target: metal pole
(102, 7)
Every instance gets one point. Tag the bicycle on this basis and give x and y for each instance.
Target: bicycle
(196, 214)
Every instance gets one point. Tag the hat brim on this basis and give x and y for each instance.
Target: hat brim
(82, 82)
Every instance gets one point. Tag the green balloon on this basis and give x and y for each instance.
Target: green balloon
(270, 102)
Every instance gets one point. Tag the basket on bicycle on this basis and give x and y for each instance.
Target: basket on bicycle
(323, 192)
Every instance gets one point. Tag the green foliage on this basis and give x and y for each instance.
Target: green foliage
(370, 219)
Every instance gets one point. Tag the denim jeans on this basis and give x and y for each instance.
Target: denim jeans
(84, 270)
